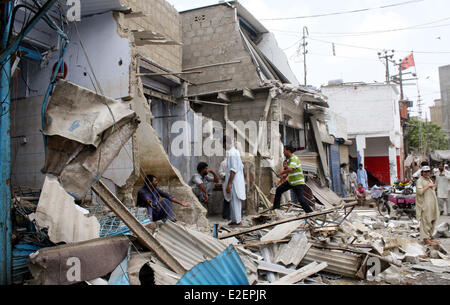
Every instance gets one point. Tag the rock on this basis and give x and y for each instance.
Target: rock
(360, 227)
(378, 225)
(434, 254)
(392, 275)
(412, 259)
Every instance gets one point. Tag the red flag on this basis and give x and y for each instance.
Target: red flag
(408, 62)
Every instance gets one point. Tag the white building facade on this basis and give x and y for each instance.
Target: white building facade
(373, 124)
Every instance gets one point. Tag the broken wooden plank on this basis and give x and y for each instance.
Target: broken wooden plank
(304, 216)
(262, 243)
(322, 154)
(301, 274)
(263, 197)
(266, 266)
(213, 65)
(143, 235)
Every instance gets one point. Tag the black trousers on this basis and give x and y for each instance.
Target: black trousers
(226, 212)
(298, 190)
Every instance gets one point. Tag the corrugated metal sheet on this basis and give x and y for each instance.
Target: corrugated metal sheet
(191, 247)
(187, 246)
(226, 269)
(326, 196)
(294, 251)
(338, 263)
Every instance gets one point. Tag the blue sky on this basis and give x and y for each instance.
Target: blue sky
(357, 64)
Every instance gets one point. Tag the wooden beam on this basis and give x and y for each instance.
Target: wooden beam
(213, 65)
(214, 81)
(263, 243)
(167, 73)
(248, 93)
(322, 154)
(159, 95)
(305, 216)
(143, 235)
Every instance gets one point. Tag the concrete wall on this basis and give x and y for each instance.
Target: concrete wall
(162, 18)
(368, 108)
(444, 79)
(106, 49)
(109, 55)
(210, 36)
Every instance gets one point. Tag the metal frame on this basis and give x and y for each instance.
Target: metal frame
(5, 137)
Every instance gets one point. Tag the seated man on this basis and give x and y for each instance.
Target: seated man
(360, 194)
(201, 183)
(157, 202)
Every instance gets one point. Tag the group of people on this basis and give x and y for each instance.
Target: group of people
(231, 174)
(159, 203)
(354, 182)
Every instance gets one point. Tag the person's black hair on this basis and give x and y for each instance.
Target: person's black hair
(343, 165)
(290, 148)
(424, 163)
(201, 166)
(149, 179)
(225, 140)
(360, 164)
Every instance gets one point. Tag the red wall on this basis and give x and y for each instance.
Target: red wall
(379, 167)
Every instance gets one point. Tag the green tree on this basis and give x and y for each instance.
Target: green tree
(433, 137)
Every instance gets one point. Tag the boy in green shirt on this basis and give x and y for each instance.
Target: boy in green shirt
(295, 181)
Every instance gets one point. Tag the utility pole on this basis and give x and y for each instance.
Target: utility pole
(305, 51)
(387, 57)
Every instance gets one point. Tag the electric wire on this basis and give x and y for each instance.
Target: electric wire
(345, 12)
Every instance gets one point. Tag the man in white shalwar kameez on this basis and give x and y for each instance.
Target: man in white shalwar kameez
(235, 181)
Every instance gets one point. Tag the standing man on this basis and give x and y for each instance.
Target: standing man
(157, 202)
(201, 183)
(235, 181)
(427, 209)
(353, 181)
(296, 180)
(226, 204)
(362, 177)
(344, 176)
(442, 189)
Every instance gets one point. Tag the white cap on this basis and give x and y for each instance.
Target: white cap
(426, 169)
(445, 165)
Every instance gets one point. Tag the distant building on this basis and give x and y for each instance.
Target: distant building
(436, 113)
(373, 124)
(444, 79)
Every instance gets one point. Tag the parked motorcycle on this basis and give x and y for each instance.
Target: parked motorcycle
(404, 187)
(391, 204)
(381, 196)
